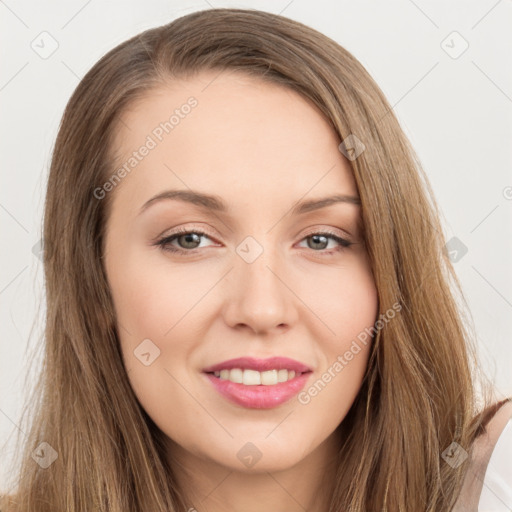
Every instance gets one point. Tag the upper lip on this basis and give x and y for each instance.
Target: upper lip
(260, 365)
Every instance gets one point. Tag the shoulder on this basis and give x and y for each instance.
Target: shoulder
(496, 419)
(497, 423)
(486, 442)
(497, 485)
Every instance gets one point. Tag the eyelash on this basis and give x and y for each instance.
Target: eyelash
(164, 242)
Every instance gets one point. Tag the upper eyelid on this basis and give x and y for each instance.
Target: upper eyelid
(318, 230)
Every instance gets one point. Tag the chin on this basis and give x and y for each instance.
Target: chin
(253, 457)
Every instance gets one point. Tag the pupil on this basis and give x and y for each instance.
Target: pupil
(189, 238)
(315, 239)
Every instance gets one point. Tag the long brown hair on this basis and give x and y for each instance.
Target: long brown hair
(418, 395)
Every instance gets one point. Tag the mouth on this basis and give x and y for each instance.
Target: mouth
(258, 383)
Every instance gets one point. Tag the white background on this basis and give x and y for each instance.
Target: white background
(456, 111)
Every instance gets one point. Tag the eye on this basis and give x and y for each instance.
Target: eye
(190, 240)
(321, 241)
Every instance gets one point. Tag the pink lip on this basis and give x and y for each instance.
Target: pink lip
(260, 365)
(259, 396)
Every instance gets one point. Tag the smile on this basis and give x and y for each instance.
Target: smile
(258, 383)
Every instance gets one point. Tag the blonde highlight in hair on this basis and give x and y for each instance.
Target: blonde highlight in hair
(418, 394)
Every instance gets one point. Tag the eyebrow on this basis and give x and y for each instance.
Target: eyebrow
(215, 203)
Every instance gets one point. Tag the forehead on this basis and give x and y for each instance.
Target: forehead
(232, 134)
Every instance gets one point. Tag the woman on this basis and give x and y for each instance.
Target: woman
(256, 367)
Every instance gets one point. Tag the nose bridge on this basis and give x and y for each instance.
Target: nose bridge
(258, 296)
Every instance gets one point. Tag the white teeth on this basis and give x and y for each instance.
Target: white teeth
(251, 378)
(254, 378)
(269, 378)
(236, 375)
(282, 375)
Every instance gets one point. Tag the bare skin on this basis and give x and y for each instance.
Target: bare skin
(262, 149)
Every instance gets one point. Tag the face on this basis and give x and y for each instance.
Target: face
(237, 312)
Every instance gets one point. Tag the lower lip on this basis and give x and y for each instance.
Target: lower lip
(259, 396)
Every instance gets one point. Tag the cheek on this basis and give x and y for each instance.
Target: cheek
(152, 296)
(348, 306)
(344, 298)
(154, 303)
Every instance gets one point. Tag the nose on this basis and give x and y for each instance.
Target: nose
(259, 298)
